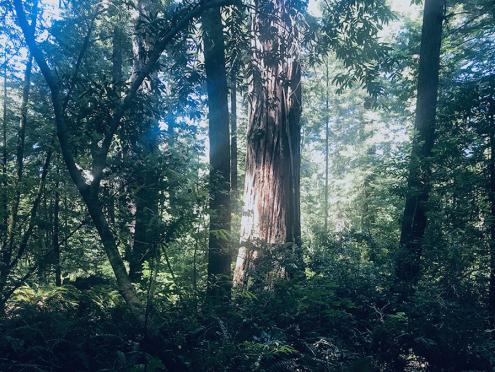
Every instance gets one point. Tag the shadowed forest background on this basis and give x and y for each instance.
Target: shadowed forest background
(247, 185)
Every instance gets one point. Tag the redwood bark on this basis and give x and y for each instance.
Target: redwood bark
(414, 220)
(219, 246)
(270, 224)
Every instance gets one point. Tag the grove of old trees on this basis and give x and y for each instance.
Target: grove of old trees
(231, 185)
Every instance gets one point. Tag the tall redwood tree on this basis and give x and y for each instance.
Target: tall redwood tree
(271, 227)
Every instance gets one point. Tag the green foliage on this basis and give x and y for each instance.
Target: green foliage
(343, 314)
(340, 318)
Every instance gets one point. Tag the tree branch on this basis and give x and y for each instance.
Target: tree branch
(178, 23)
(54, 85)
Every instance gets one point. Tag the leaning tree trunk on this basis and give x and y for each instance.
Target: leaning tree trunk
(219, 250)
(414, 220)
(88, 192)
(270, 226)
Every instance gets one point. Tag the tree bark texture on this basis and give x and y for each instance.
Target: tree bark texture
(270, 223)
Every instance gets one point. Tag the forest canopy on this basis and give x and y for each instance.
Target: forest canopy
(247, 185)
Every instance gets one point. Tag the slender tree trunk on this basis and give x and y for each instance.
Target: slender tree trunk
(327, 135)
(270, 227)
(9, 259)
(9, 229)
(5, 254)
(21, 135)
(415, 212)
(3, 190)
(20, 147)
(233, 132)
(118, 39)
(55, 233)
(219, 249)
(111, 249)
(491, 196)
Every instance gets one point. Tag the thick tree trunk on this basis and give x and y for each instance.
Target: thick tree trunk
(146, 149)
(219, 248)
(415, 212)
(270, 227)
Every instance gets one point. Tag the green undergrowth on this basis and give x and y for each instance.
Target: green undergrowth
(339, 321)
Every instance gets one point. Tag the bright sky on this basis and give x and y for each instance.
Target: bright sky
(403, 8)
